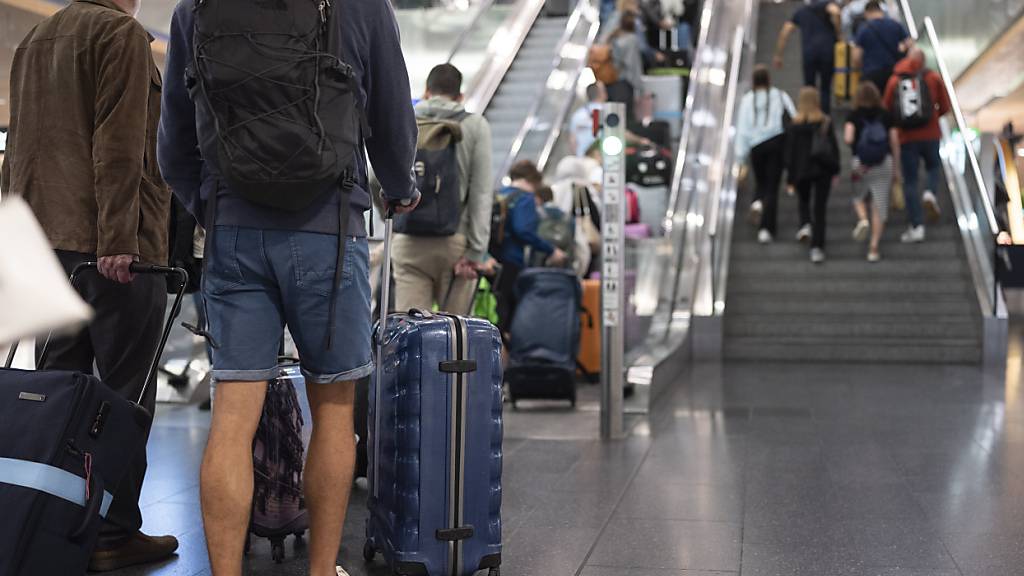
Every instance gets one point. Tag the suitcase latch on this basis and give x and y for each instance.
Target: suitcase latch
(455, 534)
(457, 366)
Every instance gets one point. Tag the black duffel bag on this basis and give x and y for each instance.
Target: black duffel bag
(66, 440)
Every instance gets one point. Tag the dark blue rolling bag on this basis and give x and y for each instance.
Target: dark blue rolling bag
(435, 433)
(542, 363)
(66, 441)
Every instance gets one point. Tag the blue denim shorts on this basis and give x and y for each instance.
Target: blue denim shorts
(257, 281)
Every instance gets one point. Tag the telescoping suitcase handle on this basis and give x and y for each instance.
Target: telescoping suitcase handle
(136, 268)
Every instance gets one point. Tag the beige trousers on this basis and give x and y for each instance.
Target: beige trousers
(424, 268)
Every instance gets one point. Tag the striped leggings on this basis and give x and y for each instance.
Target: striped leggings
(876, 186)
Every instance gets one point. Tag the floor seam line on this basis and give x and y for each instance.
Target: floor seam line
(618, 503)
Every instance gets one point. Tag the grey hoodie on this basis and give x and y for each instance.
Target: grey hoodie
(475, 181)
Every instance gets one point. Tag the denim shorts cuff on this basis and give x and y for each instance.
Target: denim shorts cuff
(246, 375)
(361, 372)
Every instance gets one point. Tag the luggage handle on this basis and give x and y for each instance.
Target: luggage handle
(136, 268)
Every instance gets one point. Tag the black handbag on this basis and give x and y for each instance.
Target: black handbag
(823, 151)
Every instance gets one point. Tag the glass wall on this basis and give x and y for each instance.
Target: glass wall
(967, 27)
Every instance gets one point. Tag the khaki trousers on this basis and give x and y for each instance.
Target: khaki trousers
(424, 268)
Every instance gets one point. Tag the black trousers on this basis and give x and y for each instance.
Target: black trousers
(120, 342)
(880, 78)
(767, 159)
(506, 296)
(815, 192)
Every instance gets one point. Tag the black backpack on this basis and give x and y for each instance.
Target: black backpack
(913, 106)
(437, 178)
(283, 105)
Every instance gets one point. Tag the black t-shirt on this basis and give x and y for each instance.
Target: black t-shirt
(861, 116)
(817, 32)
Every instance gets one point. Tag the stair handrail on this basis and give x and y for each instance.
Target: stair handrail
(538, 100)
(482, 9)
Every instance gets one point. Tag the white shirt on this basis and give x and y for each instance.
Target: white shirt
(582, 126)
(760, 119)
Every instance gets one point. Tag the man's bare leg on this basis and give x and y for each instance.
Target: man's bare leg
(226, 478)
(330, 464)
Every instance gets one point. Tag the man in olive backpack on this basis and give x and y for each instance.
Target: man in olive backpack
(446, 237)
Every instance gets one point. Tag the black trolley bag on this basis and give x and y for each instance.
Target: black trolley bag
(66, 441)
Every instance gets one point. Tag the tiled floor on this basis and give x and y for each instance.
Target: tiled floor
(759, 470)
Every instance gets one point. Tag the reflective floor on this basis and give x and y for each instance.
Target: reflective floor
(751, 469)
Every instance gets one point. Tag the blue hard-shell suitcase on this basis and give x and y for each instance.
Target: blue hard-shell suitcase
(435, 424)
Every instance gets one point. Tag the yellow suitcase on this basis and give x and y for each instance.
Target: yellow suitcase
(845, 78)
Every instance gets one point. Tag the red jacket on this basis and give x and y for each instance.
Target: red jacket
(940, 99)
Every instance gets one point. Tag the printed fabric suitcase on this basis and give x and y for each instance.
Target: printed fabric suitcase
(67, 440)
(435, 444)
(279, 454)
(542, 363)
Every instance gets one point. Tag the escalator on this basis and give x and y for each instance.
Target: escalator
(524, 82)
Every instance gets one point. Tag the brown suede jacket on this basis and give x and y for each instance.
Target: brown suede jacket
(85, 105)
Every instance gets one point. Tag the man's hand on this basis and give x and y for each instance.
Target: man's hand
(557, 258)
(397, 206)
(777, 61)
(117, 267)
(1004, 238)
(465, 269)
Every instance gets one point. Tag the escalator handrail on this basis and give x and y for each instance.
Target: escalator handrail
(482, 9)
(566, 109)
(908, 17)
(696, 68)
(538, 101)
(961, 122)
(502, 50)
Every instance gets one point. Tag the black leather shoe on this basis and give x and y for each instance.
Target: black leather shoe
(137, 549)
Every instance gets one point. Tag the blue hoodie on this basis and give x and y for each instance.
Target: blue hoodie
(370, 44)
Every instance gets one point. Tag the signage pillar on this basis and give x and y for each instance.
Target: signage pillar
(613, 220)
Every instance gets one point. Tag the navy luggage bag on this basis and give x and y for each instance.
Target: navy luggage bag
(66, 440)
(542, 362)
(435, 436)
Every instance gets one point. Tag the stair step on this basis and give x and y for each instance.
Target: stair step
(792, 251)
(756, 270)
(867, 327)
(862, 351)
(880, 286)
(841, 308)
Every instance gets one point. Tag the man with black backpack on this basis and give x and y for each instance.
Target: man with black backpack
(880, 43)
(270, 111)
(916, 99)
(445, 238)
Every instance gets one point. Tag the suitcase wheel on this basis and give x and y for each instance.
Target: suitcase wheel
(494, 571)
(277, 549)
(368, 552)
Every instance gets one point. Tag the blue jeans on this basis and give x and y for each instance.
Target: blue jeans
(911, 155)
(257, 281)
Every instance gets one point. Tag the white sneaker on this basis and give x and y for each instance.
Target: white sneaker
(764, 237)
(756, 209)
(817, 255)
(804, 233)
(931, 206)
(362, 483)
(341, 571)
(874, 257)
(860, 231)
(913, 235)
